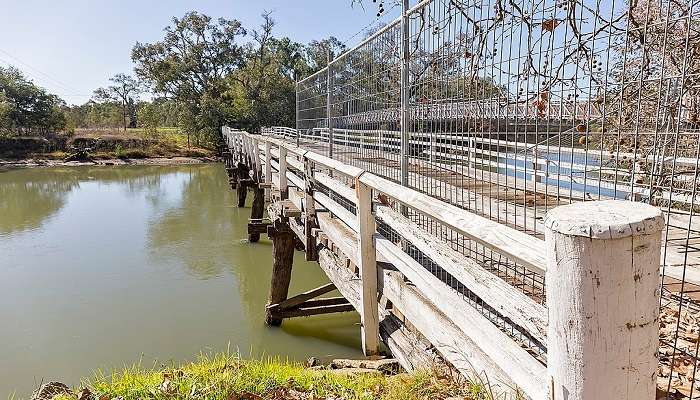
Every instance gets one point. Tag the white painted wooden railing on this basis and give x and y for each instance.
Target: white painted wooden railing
(600, 259)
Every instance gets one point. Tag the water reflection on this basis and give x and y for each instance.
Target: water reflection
(25, 205)
(107, 266)
(205, 232)
(204, 209)
(29, 197)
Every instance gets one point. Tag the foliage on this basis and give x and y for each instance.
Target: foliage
(94, 115)
(149, 119)
(26, 108)
(122, 92)
(262, 90)
(217, 78)
(204, 73)
(229, 377)
(318, 52)
(189, 65)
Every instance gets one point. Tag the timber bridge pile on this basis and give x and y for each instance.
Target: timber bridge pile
(397, 256)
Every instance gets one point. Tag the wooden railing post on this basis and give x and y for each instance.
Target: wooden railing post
(369, 311)
(239, 145)
(256, 160)
(603, 300)
(268, 170)
(284, 192)
(310, 211)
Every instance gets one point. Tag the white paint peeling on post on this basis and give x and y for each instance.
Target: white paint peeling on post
(268, 170)
(283, 172)
(603, 300)
(369, 308)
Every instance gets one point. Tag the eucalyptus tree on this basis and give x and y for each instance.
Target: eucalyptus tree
(27, 108)
(122, 90)
(189, 66)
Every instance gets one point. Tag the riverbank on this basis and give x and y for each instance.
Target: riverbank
(49, 162)
(229, 377)
(99, 147)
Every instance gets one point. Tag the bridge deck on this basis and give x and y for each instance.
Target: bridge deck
(517, 203)
(457, 313)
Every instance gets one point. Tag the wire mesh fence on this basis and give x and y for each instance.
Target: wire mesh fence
(515, 107)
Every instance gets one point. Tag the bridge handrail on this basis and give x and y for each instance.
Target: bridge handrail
(355, 184)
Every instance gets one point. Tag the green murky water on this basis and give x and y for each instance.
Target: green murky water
(111, 266)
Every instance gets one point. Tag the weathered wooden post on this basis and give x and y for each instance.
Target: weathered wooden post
(310, 221)
(243, 181)
(257, 210)
(284, 190)
(282, 258)
(369, 308)
(603, 300)
(268, 170)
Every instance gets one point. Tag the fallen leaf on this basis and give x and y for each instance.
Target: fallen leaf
(84, 394)
(550, 24)
(167, 386)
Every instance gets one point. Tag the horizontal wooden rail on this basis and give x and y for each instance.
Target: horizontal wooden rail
(445, 316)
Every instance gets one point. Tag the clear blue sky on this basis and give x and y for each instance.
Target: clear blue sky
(72, 47)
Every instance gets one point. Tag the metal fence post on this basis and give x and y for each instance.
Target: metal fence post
(405, 59)
(603, 293)
(296, 91)
(329, 86)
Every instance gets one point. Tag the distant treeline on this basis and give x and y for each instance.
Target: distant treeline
(139, 114)
(202, 74)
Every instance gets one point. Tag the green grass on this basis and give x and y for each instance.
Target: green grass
(228, 377)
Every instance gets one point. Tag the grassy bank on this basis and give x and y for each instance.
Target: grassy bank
(104, 144)
(230, 378)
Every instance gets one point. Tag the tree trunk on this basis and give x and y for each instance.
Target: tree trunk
(124, 114)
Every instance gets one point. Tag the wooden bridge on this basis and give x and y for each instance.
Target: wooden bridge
(398, 257)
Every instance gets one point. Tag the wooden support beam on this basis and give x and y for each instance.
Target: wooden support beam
(309, 311)
(282, 258)
(289, 209)
(327, 301)
(243, 180)
(256, 160)
(310, 221)
(257, 211)
(368, 270)
(412, 350)
(302, 297)
(233, 177)
(259, 227)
